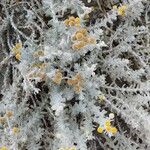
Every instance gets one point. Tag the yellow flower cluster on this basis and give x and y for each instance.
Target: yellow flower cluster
(81, 39)
(101, 98)
(38, 53)
(57, 77)
(67, 148)
(107, 127)
(16, 50)
(3, 148)
(8, 114)
(121, 10)
(76, 82)
(15, 130)
(72, 21)
(2, 120)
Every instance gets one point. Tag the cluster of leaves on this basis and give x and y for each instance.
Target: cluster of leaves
(71, 83)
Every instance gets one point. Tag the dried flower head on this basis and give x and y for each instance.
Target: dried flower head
(9, 114)
(76, 82)
(72, 21)
(2, 120)
(78, 45)
(38, 53)
(18, 56)
(57, 77)
(79, 36)
(17, 47)
(113, 130)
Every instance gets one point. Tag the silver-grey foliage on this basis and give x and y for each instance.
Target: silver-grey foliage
(55, 95)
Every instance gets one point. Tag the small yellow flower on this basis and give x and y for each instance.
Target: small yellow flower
(76, 82)
(15, 130)
(108, 128)
(77, 20)
(101, 97)
(79, 36)
(17, 47)
(66, 22)
(3, 148)
(38, 53)
(121, 10)
(113, 130)
(9, 114)
(107, 123)
(16, 50)
(18, 56)
(72, 18)
(100, 129)
(77, 24)
(72, 21)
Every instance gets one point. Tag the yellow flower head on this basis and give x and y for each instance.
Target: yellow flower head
(108, 128)
(38, 53)
(107, 123)
(66, 22)
(17, 47)
(83, 31)
(121, 10)
(15, 130)
(77, 20)
(113, 130)
(79, 36)
(16, 50)
(72, 21)
(99, 129)
(71, 18)
(18, 56)
(3, 148)
(101, 97)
